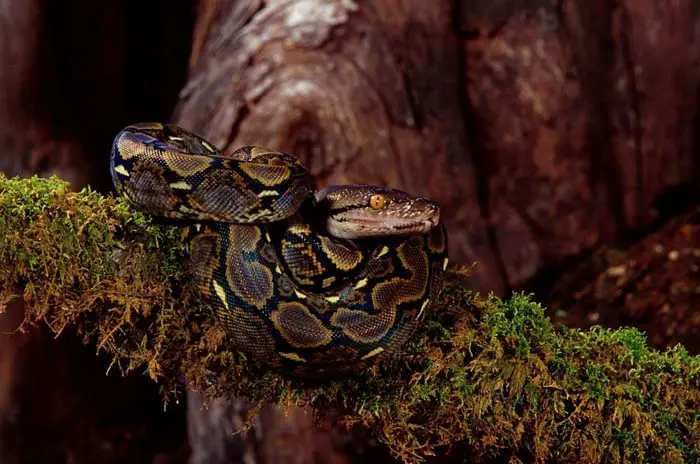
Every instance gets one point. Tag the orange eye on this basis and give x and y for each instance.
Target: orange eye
(377, 201)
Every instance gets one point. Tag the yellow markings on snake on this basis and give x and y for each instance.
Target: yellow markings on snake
(328, 281)
(277, 269)
(383, 251)
(360, 283)
(397, 290)
(444, 264)
(184, 209)
(181, 185)
(262, 213)
(342, 257)
(121, 170)
(268, 193)
(267, 237)
(293, 357)
(387, 295)
(299, 294)
(257, 151)
(299, 229)
(148, 126)
(372, 353)
(333, 299)
(175, 139)
(220, 292)
(360, 326)
(422, 308)
(128, 147)
(250, 280)
(208, 146)
(267, 174)
(299, 327)
(188, 165)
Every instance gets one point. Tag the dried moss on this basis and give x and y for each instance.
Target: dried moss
(492, 377)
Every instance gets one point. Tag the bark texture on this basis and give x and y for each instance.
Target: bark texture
(18, 82)
(276, 436)
(585, 112)
(363, 92)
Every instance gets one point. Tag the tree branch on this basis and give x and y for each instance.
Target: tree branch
(492, 377)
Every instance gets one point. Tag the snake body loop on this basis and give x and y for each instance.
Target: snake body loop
(314, 283)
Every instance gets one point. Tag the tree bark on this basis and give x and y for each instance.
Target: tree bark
(276, 436)
(586, 112)
(20, 60)
(351, 88)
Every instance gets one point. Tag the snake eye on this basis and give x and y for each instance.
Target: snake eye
(377, 201)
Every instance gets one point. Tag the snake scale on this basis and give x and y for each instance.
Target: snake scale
(309, 282)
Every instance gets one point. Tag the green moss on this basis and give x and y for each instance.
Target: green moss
(491, 376)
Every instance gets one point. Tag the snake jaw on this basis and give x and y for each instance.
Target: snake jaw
(350, 214)
(354, 228)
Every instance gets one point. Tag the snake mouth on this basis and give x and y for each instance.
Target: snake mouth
(366, 211)
(357, 225)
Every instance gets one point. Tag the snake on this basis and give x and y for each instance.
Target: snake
(310, 282)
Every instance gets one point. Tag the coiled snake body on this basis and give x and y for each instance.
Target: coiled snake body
(309, 282)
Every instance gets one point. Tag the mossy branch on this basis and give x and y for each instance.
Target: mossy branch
(489, 376)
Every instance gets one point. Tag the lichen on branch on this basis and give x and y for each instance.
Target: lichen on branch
(485, 375)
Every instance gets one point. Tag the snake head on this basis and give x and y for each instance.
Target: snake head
(359, 211)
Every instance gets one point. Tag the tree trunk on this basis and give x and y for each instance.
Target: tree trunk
(585, 114)
(277, 435)
(350, 89)
(18, 82)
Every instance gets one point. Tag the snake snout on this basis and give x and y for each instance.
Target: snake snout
(428, 205)
(424, 210)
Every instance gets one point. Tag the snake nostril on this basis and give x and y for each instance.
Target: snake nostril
(430, 205)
